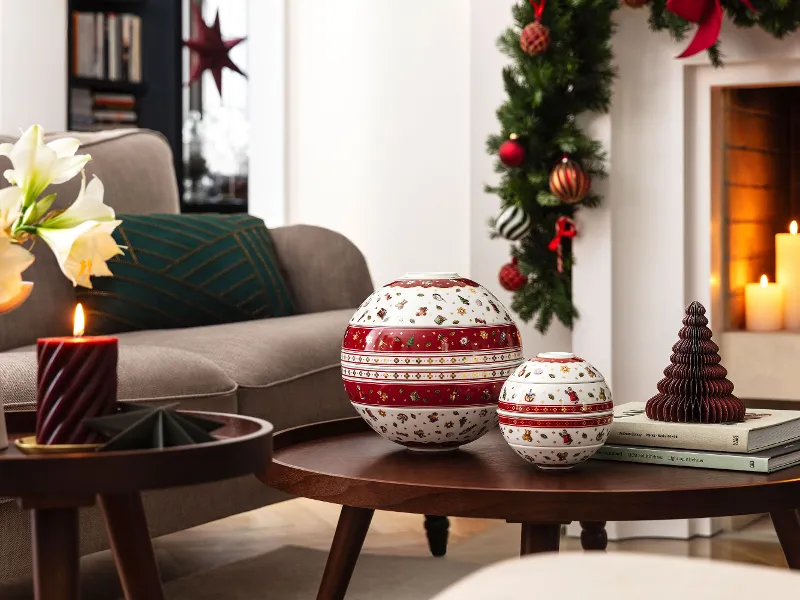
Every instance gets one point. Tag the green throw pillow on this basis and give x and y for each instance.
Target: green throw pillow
(187, 271)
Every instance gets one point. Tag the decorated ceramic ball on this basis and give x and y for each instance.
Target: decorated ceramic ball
(555, 410)
(424, 359)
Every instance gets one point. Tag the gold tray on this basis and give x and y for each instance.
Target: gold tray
(28, 445)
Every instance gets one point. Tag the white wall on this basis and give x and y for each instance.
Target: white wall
(33, 64)
(378, 129)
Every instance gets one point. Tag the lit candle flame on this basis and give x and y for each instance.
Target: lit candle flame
(80, 322)
(793, 228)
(764, 282)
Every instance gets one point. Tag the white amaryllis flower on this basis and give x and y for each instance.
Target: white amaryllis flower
(82, 251)
(87, 207)
(14, 259)
(37, 165)
(10, 207)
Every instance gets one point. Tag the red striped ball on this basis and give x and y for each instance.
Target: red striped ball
(569, 182)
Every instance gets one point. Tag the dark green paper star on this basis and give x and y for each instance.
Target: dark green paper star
(140, 427)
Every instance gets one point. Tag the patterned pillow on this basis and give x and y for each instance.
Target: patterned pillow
(187, 271)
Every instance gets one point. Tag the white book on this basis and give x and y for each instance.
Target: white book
(114, 47)
(84, 44)
(135, 64)
(766, 461)
(762, 429)
(100, 46)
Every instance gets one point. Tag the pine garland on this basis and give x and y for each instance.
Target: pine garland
(546, 93)
(777, 17)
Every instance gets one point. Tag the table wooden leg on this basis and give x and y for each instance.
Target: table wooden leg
(593, 535)
(436, 529)
(347, 542)
(126, 525)
(540, 537)
(56, 574)
(787, 526)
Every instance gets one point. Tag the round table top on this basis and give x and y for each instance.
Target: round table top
(346, 463)
(242, 446)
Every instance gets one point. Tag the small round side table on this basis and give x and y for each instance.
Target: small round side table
(54, 486)
(345, 462)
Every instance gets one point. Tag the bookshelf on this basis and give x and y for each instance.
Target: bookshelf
(124, 74)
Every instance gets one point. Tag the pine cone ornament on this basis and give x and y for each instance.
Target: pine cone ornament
(511, 278)
(569, 182)
(513, 223)
(534, 39)
(695, 388)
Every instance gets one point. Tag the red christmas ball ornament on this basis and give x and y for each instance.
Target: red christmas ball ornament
(534, 39)
(569, 182)
(511, 278)
(511, 153)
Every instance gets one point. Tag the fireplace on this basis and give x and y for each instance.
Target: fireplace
(756, 139)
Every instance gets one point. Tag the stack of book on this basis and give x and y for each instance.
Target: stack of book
(96, 111)
(107, 46)
(767, 441)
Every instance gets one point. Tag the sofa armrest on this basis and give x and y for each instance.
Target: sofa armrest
(324, 270)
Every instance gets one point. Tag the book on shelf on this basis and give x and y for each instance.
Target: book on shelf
(93, 111)
(766, 461)
(107, 46)
(762, 429)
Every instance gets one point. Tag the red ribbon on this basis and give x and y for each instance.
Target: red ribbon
(538, 8)
(708, 16)
(565, 228)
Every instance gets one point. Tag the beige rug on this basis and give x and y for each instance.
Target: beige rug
(293, 573)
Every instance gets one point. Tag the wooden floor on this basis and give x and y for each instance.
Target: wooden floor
(309, 524)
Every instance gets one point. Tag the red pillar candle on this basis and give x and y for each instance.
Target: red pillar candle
(77, 380)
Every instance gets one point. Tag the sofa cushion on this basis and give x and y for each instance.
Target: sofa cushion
(146, 374)
(288, 369)
(187, 271)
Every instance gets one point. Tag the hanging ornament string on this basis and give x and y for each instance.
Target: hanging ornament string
(708, 16)
(538, 8)
(565, 228)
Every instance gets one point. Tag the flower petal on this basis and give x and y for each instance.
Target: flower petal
(67, 168)
(83, 250)
(10, 206)
(65, 147)
(14, 259)
(87, 207)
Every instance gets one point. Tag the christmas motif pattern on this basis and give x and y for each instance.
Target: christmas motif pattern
(555, 410)
(437, 342)
(430, 428)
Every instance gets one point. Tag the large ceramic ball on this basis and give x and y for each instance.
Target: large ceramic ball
(424, 359)
(556, 410)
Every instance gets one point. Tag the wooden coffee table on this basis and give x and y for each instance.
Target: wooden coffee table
(345, 462)
(54, 487)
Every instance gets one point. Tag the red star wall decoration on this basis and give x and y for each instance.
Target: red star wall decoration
(210, 50)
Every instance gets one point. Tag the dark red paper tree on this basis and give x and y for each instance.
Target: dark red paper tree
(211, 51)
(695, 388)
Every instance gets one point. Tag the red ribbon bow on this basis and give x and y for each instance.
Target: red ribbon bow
(538, 8)
(708, 16)
(565, 228)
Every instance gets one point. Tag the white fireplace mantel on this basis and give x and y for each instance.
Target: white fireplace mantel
(647, 253)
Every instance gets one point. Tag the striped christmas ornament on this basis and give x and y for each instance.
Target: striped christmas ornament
(569, 182)
(513, 223)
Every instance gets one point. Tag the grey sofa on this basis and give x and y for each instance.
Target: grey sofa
(284, 370)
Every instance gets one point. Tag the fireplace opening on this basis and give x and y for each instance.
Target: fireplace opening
(757, 139)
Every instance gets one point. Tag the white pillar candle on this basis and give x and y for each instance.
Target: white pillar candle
(763, 306)
(787, 271)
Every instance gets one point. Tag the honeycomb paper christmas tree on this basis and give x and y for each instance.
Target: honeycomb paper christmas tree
(695, 388)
